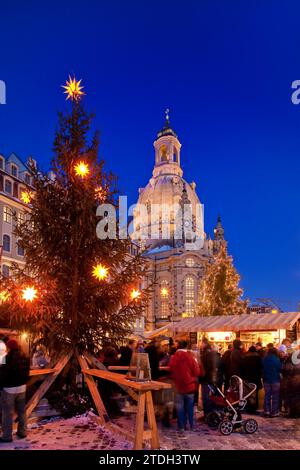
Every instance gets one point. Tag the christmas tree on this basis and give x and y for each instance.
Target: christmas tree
(219, 291)
(76, 291)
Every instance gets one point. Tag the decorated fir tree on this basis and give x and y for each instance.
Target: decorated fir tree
(76, 291)
(219, 291)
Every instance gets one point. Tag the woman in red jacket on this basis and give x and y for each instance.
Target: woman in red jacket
(185, 371)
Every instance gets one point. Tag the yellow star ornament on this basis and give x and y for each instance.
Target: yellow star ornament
(73, 90)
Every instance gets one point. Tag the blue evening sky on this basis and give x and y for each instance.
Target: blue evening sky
(223, 67)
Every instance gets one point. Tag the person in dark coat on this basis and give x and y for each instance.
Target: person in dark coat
(126, 353)
(271, 376)
(260, 349)
(225, 365)
(209, 365)
(153, 352)
(291, 384)
(236, 359)
(15, 374)
(252, 372)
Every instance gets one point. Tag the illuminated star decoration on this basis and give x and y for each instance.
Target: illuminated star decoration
(29, 294)
(73, 90)
(81, 169)
(100, 272)
(26, 196)
(135, 294)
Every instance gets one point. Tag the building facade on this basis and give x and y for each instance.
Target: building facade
(177, 248)
(15, 188)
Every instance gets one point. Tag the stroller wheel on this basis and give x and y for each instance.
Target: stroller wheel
(226, 427)
(250, 426)
(213, 420)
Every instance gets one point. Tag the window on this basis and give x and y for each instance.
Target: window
(7, 214)
(8, 186)
(20, 250)
(1, 163)
(27, 178)
(21, 217)
(190, 262)
(164, 299)
(163, 153)
(6, 243)
(5, 270)
(189, 296)
(16, 190)
(14, 170)
(189, 307)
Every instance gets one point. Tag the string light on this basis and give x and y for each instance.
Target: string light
(100, 193)
(135, 294)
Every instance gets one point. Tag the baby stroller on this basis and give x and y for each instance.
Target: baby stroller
(227, 415)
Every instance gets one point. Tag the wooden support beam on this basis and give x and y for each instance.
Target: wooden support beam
(95, 363)
(139, 424)
(34, 372)
(123, 380)
(103, 416)
(47, 383)
(154, 437)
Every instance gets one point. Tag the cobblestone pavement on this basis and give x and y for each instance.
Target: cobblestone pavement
(272, 434)
(80, 433)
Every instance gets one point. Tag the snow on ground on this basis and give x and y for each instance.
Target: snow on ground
(75, 433)
(80, 433)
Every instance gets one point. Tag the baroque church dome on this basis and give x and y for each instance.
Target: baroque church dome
(160, 201)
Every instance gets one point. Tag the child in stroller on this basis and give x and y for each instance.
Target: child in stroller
(227, 415)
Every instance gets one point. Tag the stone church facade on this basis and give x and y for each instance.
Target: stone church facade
(175, 265)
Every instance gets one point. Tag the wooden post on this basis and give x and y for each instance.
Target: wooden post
(139, 425)
(33, 402)
(152, 421)
(103, 416)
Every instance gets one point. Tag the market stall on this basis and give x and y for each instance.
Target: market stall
(249, 328)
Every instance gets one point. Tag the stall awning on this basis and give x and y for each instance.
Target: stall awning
(251, 322)
(163, 330)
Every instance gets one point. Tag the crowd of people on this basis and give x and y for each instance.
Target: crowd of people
(191, 367)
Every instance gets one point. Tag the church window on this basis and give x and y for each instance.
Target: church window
(190, 262)
(175, 155)
(189, 295)
(164, 299)
(163, 153)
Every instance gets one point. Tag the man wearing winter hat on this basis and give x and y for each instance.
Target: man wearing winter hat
(14, 378)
